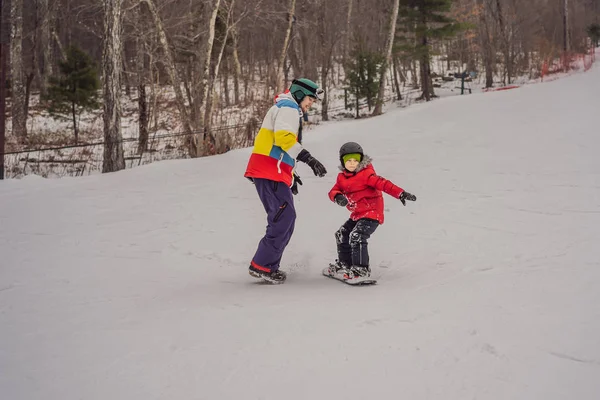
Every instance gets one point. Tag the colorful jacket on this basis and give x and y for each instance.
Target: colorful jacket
(363, 189)
(276, 146)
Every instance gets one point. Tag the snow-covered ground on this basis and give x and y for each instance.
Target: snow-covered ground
(134, 285)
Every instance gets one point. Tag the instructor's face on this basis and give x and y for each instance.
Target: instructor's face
(307, 103)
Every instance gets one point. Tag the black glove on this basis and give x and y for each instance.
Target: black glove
(317, 167)
(341, 200)
(297, 181)
(407, 196)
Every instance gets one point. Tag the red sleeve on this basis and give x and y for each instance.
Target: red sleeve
(335, 190)
(384, 185)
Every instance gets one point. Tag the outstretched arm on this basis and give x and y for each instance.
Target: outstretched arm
(384, 185)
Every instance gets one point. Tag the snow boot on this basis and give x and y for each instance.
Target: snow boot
(338, 267)
(359, 271)
(274, 277)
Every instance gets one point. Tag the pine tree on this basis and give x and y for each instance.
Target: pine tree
(362, 69)
(424, 21)
(75, 89)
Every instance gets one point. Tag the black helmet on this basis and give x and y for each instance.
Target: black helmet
(350, 148)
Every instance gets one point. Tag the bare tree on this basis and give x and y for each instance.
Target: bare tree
(487, 42)
(172, 72)
(3, 64)
(388, 58)
(291, 17)
(237, 65)
(18, 97)
(111, 65)
(215, 76)
(328, 40)
(141, 49)
(566, 39)
(348, 30)
(45, 45)
(424, 61)
(205, 85)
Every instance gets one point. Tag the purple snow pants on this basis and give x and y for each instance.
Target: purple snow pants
(278, 201)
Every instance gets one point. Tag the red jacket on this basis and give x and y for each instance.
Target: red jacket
(363, 189)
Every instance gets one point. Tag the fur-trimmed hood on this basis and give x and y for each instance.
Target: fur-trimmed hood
(366, 161)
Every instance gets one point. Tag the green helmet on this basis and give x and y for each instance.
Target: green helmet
(304, 87)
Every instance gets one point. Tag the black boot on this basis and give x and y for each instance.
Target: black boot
(361, 271)
(337, 267)
(274, 277)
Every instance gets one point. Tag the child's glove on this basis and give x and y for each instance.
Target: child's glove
(407, 196)
(341, 200)
(297, 181)
(317, 167)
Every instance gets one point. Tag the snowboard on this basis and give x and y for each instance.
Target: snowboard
(364, 281)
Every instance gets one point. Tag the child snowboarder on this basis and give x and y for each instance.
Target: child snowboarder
(358, 188)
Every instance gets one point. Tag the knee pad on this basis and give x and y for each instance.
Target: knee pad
(355, 238)
(339, 235)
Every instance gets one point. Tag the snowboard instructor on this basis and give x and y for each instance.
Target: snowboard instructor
(271, 168)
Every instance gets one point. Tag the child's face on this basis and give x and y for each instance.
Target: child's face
(351, 164)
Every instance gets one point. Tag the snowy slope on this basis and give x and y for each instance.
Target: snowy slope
(134, 285)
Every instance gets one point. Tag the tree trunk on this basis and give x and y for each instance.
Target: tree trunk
(426, 84)
(140, 44)
(237, 67)
(154, 81)
(286, 42)
(294, 56)
(396, 81)
(111, 65)
(28, 82)
(225, 80)
(173, 75)
(486, 45)
(424, 61)
(566, 39)
(19, 116)
(3, 64)
(45, 44)
(211, 85)
(200, 142)
(325, 60)
(74, 118)
(388, 59)
(325, 100)
(505, 43)
(61, 49)
(125, 72)
(35, 66)
(143, 118)
(414, 75)
(348, 30)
